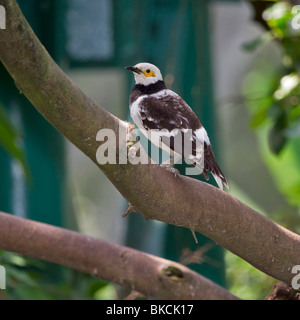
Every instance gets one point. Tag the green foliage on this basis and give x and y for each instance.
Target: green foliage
(245, 281)
(271, 92)
(279, 95)
(10, 138)
(272, 95)
(30, 279)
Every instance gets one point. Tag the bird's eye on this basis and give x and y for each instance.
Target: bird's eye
(148, 70)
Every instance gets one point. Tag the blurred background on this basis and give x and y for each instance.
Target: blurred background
(237, 65)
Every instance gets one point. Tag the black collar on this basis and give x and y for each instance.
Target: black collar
(151, 88)
(140, 89)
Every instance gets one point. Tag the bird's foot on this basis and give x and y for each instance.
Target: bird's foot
(132, 151)
(130, 135)
(169, 167)
(131, 141)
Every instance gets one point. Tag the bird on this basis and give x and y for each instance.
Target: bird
(154, 108)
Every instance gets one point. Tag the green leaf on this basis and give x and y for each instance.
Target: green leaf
(295, 113)
(284, 168)
(255, 43)
(261, 114)
(258, 119)
(277, 137)
(278, 17)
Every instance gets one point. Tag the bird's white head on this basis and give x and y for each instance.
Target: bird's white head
(145, 73)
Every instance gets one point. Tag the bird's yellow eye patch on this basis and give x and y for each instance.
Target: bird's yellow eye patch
(149, 73)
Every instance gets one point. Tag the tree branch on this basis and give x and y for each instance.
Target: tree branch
(154, 277)
(155, 192)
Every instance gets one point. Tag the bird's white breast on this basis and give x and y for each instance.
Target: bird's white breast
(135, 112)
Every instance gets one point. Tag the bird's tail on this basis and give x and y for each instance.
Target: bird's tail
(220, 180)
(216, 172)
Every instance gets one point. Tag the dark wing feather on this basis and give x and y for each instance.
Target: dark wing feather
(172, 112)
(211, 165)
(168, 112)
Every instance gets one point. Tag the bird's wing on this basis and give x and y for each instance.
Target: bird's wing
(167, 111)
(177, 124)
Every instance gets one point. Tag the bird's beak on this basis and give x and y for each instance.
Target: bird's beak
(134, 69)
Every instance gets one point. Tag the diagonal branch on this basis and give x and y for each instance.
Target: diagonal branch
(155, 192)
(122, 265)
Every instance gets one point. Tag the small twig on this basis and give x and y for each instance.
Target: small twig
(194, 235)
(197, 256)
(130, 209)
(134, 295)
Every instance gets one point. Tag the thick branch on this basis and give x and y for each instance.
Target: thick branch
(125, 266)
(155, 192)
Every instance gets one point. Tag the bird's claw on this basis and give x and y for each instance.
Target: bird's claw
(131, 140)
(130, 135)
(132, 150)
